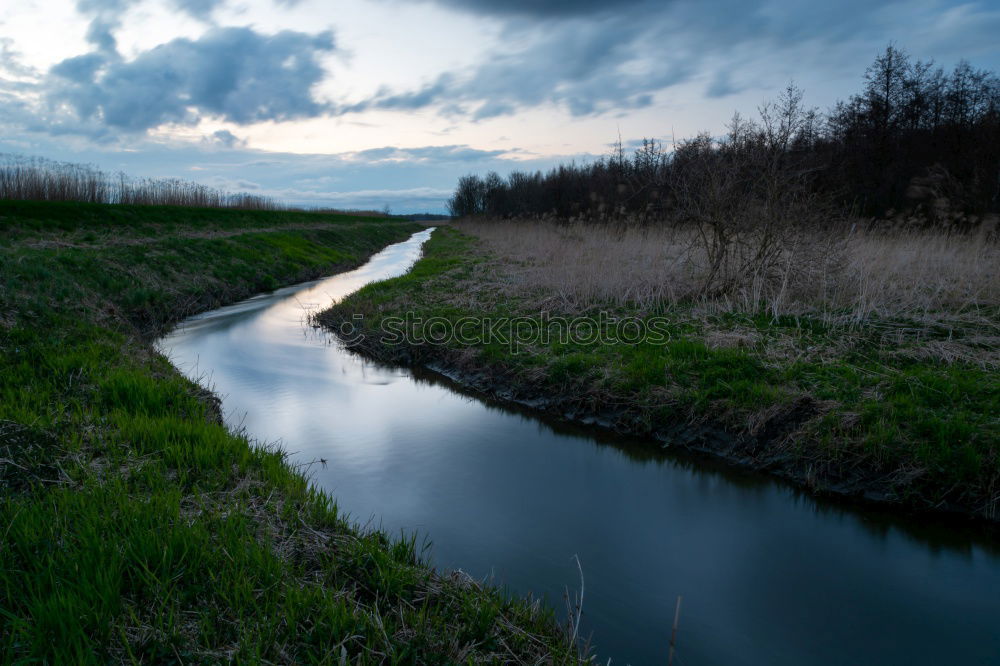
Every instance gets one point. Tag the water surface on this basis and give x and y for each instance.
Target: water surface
(768, 575)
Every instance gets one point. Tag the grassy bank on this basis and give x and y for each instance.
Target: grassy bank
(135, 526)
(873, 380)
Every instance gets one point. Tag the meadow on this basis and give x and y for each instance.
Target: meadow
(136, 526)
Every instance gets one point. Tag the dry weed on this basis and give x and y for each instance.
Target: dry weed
(849, 277)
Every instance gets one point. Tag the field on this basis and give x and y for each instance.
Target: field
(865, 364)
(136, 527)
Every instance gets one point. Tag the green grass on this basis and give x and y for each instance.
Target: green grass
(837, 408)
(87, 221)
(136, 527)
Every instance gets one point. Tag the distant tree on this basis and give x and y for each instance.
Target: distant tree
(468, 198)
(910, 120)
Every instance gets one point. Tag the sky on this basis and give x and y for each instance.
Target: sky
(375, 103)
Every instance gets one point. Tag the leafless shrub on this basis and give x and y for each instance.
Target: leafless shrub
(758, 222)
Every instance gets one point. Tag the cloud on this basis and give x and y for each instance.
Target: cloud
(585, 66)
(10, 61)
(80, 68)
(109, 10)
(441, 154)
(201, 9)
(722, 85)
(231, 185)
(586, 57)
(542, 8)
(409, 200)
(225, 139)
(636, 144)
(593, 56)
(107, 18)
(371, 197)
(234, 74)
(414, 179)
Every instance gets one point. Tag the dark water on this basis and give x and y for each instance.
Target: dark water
(768, 576)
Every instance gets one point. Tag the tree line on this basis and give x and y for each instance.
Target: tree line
(917, 142)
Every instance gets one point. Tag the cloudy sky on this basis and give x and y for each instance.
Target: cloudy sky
(367, 103)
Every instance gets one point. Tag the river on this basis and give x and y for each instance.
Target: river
(768, 574)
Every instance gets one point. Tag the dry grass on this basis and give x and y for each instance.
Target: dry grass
(849, 275)
(913, 273)
(592, 263)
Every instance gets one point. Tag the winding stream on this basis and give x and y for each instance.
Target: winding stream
(768, 575)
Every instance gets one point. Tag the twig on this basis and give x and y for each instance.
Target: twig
(673, 633)
(579, 603)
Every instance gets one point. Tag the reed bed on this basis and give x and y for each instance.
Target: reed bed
(848, 274)
(38, 179)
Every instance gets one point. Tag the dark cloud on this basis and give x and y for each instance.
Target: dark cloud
(586, 66)
(198, 8)
(100, 34)
(234, 74)
(594, 56)
(225, 139)
(111, 10)
(543, 8)
(107, 17)
(80, 68)
(106, 7)
(743, 18)
(386, 99)
(722, 85)
(585, 57)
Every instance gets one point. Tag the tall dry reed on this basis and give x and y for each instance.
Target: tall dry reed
(38, 179)
(845, 273)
